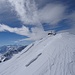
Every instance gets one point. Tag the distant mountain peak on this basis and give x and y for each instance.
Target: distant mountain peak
(6, 52)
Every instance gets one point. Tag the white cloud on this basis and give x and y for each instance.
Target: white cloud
(1, 28)
(36, 33)
(2, 0)
(26, 11)
(29, 13)
(21, 31)
(3, 3)
(52, 13)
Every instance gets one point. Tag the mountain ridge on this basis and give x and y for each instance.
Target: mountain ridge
(6, 52)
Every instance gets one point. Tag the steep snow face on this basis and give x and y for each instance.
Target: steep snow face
(52, 55)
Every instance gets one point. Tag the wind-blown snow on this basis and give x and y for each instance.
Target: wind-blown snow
(52, 55)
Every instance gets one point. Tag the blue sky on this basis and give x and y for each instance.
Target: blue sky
(22, 22)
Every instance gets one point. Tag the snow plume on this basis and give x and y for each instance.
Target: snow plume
(37, 33)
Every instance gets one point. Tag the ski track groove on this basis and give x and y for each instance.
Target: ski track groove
(61, 59)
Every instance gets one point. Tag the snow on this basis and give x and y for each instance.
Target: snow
(52, 55)
(4, 49)
(7, 52)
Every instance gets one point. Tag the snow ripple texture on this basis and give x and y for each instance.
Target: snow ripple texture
(57, 57)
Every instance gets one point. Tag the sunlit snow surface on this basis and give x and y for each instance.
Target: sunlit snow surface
(52, 55)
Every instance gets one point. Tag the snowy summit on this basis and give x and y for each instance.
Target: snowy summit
(52, 55)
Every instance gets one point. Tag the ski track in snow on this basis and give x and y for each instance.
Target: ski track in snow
(49, 56)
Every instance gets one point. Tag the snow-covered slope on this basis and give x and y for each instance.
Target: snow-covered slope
(52, 55)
